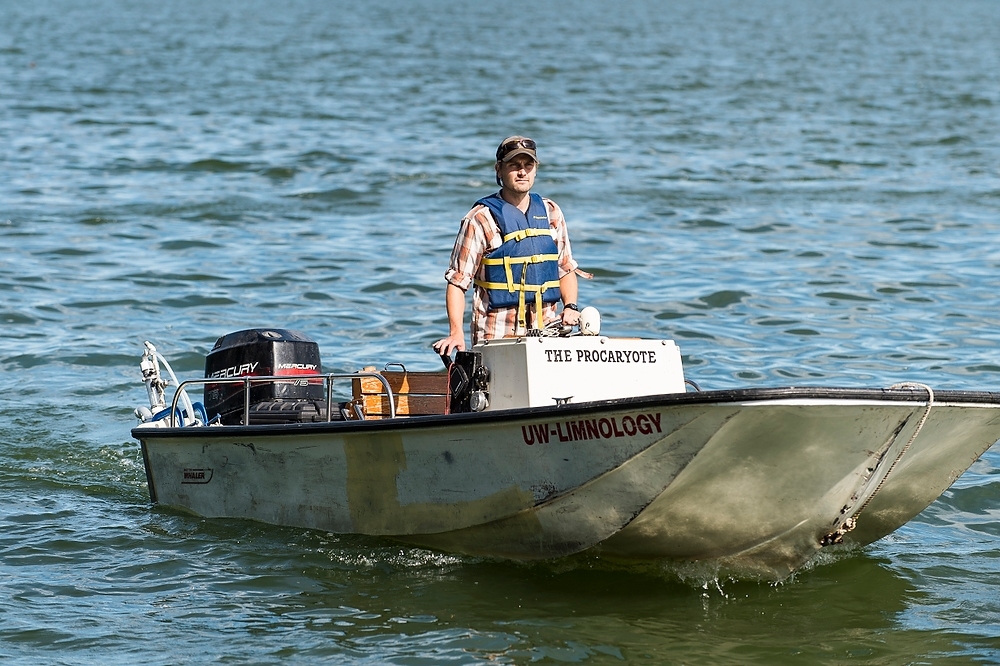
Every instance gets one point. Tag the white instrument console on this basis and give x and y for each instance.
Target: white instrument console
(544, 371)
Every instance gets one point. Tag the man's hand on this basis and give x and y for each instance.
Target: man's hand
(445, 346)
(570, 317)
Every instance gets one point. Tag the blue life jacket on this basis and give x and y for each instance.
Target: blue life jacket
(526, 265)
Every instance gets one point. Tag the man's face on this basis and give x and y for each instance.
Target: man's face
(518, 174)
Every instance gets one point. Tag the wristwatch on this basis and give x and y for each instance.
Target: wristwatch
(571, 306)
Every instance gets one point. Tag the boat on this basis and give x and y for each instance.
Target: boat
(553, 445)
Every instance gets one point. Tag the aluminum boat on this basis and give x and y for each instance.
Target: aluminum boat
(543, 447)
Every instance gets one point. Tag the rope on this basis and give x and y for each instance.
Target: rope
(553, 329)
(916, 431)
(838, 535)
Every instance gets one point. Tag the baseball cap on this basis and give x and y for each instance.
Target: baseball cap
(513, 146)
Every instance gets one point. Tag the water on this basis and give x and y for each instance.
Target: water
(799, 193)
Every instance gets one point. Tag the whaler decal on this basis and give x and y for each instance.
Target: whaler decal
(600, 356)
(603, 428)
(196, 475)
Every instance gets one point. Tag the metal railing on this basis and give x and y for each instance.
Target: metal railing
(249, 380)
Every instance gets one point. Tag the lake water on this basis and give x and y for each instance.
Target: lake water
(798, 193)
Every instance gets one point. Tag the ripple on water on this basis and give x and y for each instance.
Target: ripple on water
(723, 299)
(16, 318)
(216, 165)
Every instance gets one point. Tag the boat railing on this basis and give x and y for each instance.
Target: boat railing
(250, 380)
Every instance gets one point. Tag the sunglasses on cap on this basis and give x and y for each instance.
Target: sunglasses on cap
(509, 147)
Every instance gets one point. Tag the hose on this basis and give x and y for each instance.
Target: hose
(185, 400)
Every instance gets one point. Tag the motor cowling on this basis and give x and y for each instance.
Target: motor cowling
(261, 352)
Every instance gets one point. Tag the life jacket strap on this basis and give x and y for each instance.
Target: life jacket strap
(523, 290)
(507, 262)
(521, 234)
(540, 289)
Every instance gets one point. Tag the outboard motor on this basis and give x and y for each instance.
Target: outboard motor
(266, 352)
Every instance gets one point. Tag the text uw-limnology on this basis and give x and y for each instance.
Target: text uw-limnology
(601, 428)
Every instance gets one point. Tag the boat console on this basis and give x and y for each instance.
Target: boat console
(545, 371)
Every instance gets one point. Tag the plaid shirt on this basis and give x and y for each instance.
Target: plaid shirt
(479, 235)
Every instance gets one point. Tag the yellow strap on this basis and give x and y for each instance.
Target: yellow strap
(533, 259)
(523, 289)
(528, 287)
(521, 234)
(523, 309)
(507, 262)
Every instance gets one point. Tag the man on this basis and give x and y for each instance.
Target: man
(514, 247)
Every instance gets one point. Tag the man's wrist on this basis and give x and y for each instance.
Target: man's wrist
(571, 306)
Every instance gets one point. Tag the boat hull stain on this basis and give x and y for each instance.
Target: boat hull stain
(772, 483)
(374, 465)
(744, 499)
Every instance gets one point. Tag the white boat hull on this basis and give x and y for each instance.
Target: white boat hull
(754, 480)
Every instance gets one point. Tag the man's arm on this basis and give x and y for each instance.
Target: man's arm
(568, 285)
(569, 288)
(455, 302)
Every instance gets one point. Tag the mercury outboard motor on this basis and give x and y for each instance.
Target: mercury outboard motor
(266, 352)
